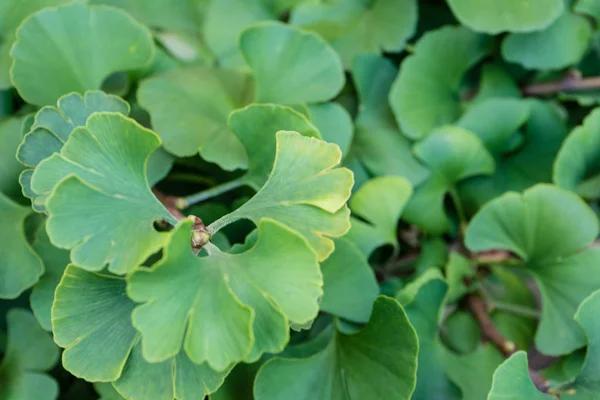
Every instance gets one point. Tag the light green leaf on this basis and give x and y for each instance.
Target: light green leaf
(29, 353)
(189, 109)
(512, 381)
(256, 126)
(378, 205)
(529, 163)
(349, 285)
(12, 13)
(496, 82)
(55, 261)
(453, 154)
(10, 135)
(425, 93)
(334, 123)
(370, 364)
(423, 301)
(588, 379)
(278, 56)
(560, 45)
(246, 299)
(51, 129)
(538, 227)
(91, 318)
(99, 176)
(589, 7)
(73, 49)
(491, 16)
(378, 143)
(457, 269)
(577, 164)
(355, 27)
(20, 266)
(311, 199)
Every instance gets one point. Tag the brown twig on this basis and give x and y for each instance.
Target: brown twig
(169, 202)
(480, 311)
(573, 82)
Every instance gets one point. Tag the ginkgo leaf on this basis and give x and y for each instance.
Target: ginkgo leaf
(29, 353)
(99, 176)
(203, 98)
(512, 381)
(334, 123)
(304, 191)
(51, 129)
(588, 379)
(356, 27)
(369, 364)
(92, 312)
(494, 17)
(291, 66)
(11, 136)
(588, 7)
(537, 227)
(378, 143)
(560, 45)
(256, 126)
(349, 284)
(496, 82)
(74, 48)
(246, 299)
(12, 13)
(55, 261)
(576, 165)
(425, 93)
(377, 207)
(423, 300)
(453, 154)
(20, 266)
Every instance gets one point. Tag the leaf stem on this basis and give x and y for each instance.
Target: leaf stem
(184, 202)
(459, 208)
(573, 82)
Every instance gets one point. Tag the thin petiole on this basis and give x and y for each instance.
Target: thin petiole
(184, 202)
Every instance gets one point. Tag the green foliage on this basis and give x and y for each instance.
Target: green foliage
(299, 199)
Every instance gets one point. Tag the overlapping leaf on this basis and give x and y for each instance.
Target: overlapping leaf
(334, 123)
(425, 93)
(73, 49)
(512, 381)
(370, 364)
(304, 191)
(356, 27)
(11, 136)
(91, 318)
(20, 266)
(29, 353)
(453, 154)
(246, 299)
(99, 176)
(588, 379)
(538, 227)
(493, 17)
(291, 66)
(378, 143)
(379, 204)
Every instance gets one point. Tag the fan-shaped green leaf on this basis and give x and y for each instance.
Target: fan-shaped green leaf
(291, 66)
(12, 13)
(577, 165)
(349, 285)
(538, 227)
(453, 154)
(91, 318)
(356, 27)
(73, 49)
(512, 381)
(589, 7)
(55, 261)
(334, 123)
(99, 176)
(588, 379)
(20, 266)
(378, 142)
(29, 352)
(560, 45)
(203, 98)
(10, 136)
(305, 191)
(425, 93)
(379, 204)
(491, 16)
(370, 364)
(246, 299)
